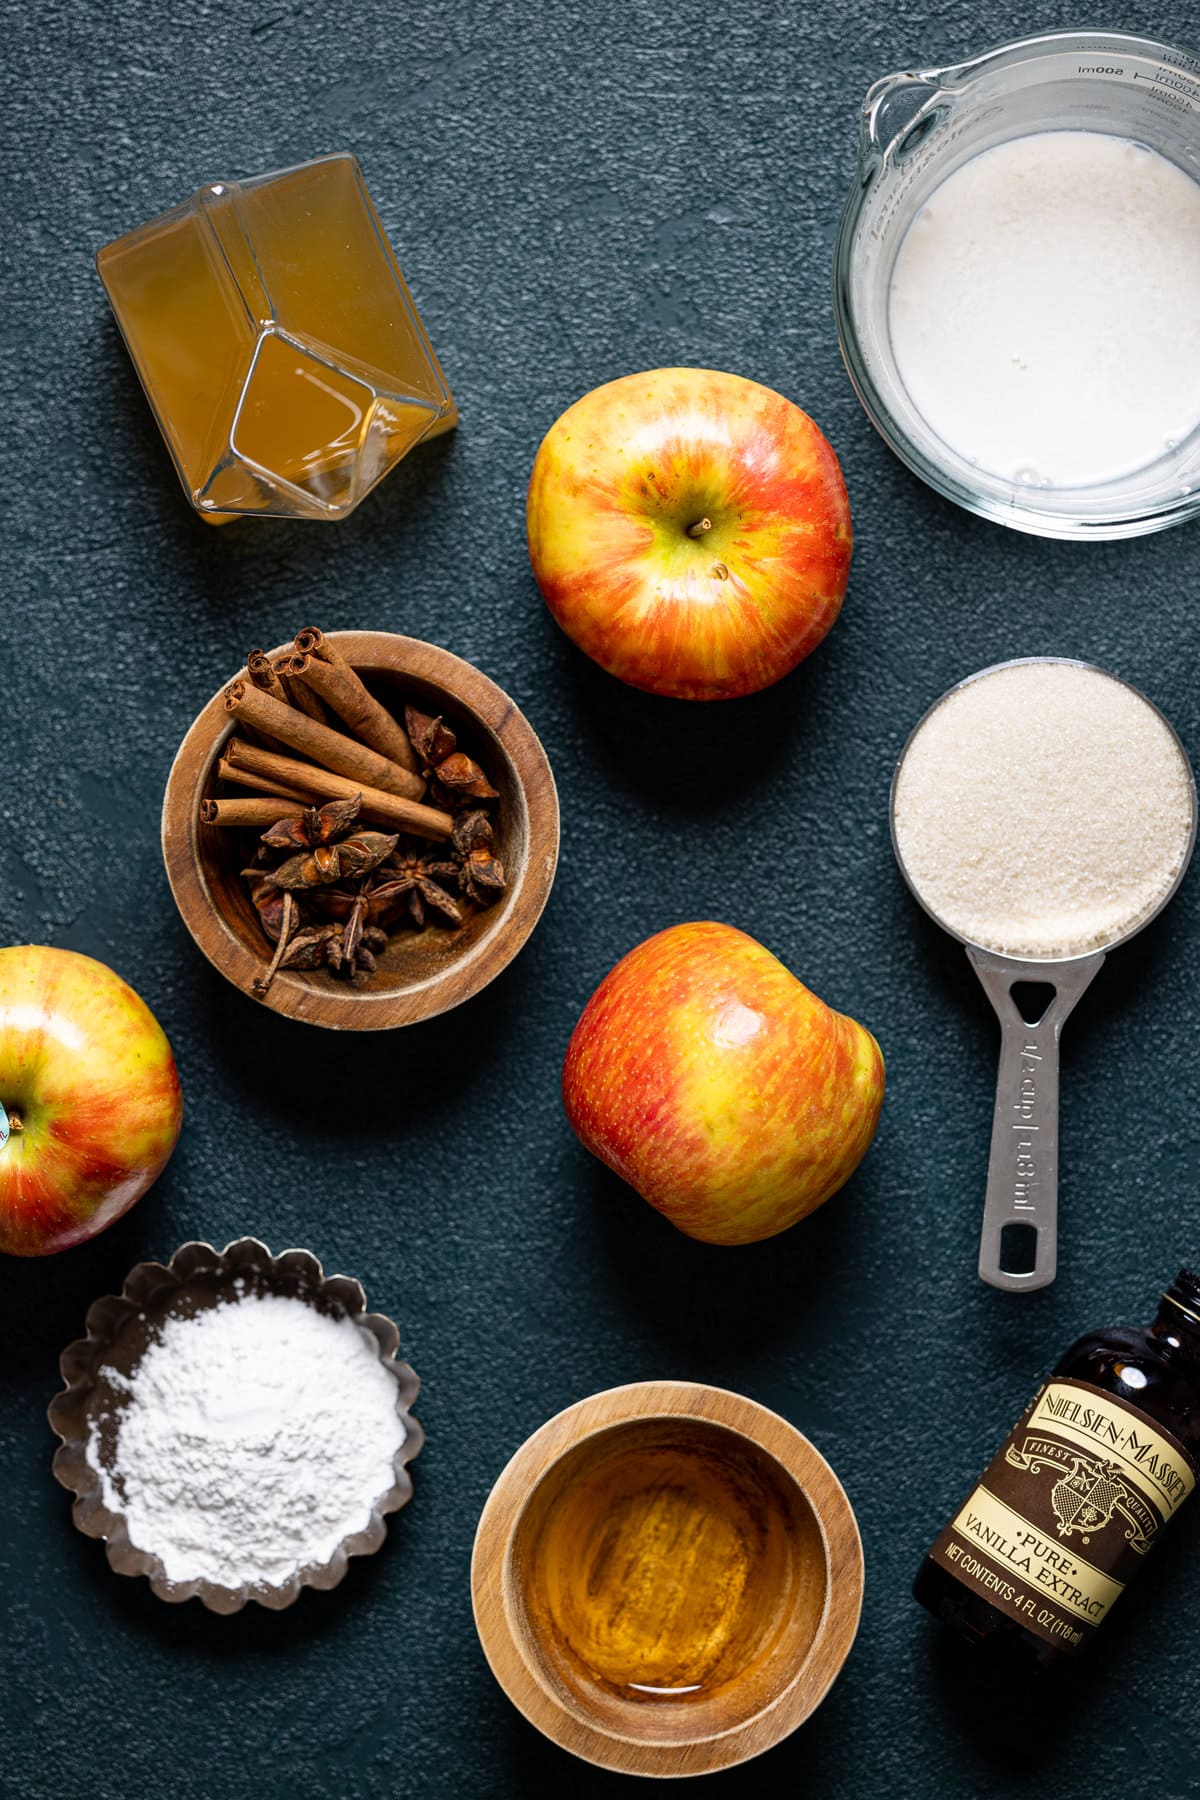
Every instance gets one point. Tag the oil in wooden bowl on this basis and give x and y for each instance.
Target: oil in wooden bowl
(666, 1578)
(671, 1562)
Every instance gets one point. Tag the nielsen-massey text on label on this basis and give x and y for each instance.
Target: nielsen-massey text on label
(1066, 1510)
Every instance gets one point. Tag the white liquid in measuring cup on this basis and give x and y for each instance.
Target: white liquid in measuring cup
(1045, 308)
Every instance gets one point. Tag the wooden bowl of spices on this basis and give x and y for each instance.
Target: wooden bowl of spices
(667, 1579)
(360, 830)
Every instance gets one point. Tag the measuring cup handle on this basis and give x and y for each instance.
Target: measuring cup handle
(1022, 1187)
(890, 106)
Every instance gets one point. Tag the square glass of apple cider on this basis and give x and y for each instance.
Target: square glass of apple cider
(277, 343)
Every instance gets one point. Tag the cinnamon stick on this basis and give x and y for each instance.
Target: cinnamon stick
(292, 800)
(322, 667)
(258, 667)
(260, 811)
(260, 783)
(296, 694)
(377, 806)
(361, 766)
(261, 673)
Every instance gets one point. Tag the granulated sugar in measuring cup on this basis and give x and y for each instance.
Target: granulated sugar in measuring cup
(1042, 812)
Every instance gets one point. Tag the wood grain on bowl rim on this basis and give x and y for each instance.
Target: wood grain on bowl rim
(495, 715)
(502, 1622)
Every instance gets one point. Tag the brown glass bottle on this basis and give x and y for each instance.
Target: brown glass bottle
(1101, 1459)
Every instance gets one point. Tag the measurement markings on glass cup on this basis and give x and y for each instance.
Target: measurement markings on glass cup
(1163, 97)
(1176, 80)
(1184, 85)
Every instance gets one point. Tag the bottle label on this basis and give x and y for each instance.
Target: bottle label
(1066, 1510)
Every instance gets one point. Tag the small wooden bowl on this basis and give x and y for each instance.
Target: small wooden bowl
(667, 1579)
(420, 974)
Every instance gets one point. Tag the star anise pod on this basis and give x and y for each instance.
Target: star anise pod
(353, 857)
(455, 779)
(339, 902)
(309, 948)
(352, 947)
(316, 825)
(431, 738)
(267, 901)
(410, 881)
(480, 871)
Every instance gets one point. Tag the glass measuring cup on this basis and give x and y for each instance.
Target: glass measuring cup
(916, 128)
(1022, 1183)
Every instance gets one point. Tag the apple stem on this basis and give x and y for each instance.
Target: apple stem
(15, 1122)
(699, 528)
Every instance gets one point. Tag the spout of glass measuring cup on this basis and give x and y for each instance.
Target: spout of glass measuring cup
(890, 107)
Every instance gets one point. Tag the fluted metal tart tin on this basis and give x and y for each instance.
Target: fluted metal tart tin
(120, 1326)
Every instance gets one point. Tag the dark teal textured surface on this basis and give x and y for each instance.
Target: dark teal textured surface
(574, 191)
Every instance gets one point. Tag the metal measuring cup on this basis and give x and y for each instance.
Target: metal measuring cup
(1022, 1183)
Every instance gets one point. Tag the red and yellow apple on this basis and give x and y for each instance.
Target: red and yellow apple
(690, 531)
(90, 1099)
(719, 1087)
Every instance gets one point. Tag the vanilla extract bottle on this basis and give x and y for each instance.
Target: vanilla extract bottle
(1102, 1458)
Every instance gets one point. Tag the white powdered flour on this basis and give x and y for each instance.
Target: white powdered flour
(1043, 810)
(255, 1436)
(1044, 308)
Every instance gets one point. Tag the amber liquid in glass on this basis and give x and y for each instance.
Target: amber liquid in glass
(273, 332)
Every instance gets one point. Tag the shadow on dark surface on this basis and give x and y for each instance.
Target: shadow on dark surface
(260, 554)
(696, 1305)
(189, 1631)
(357, 1084)
(805, 1762)
(942, 961)
(46, 1299)
(1130, 968)
(694, 757)
(1019, 1723)
(244, 556)
(134, 443)
(1010, 1716)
